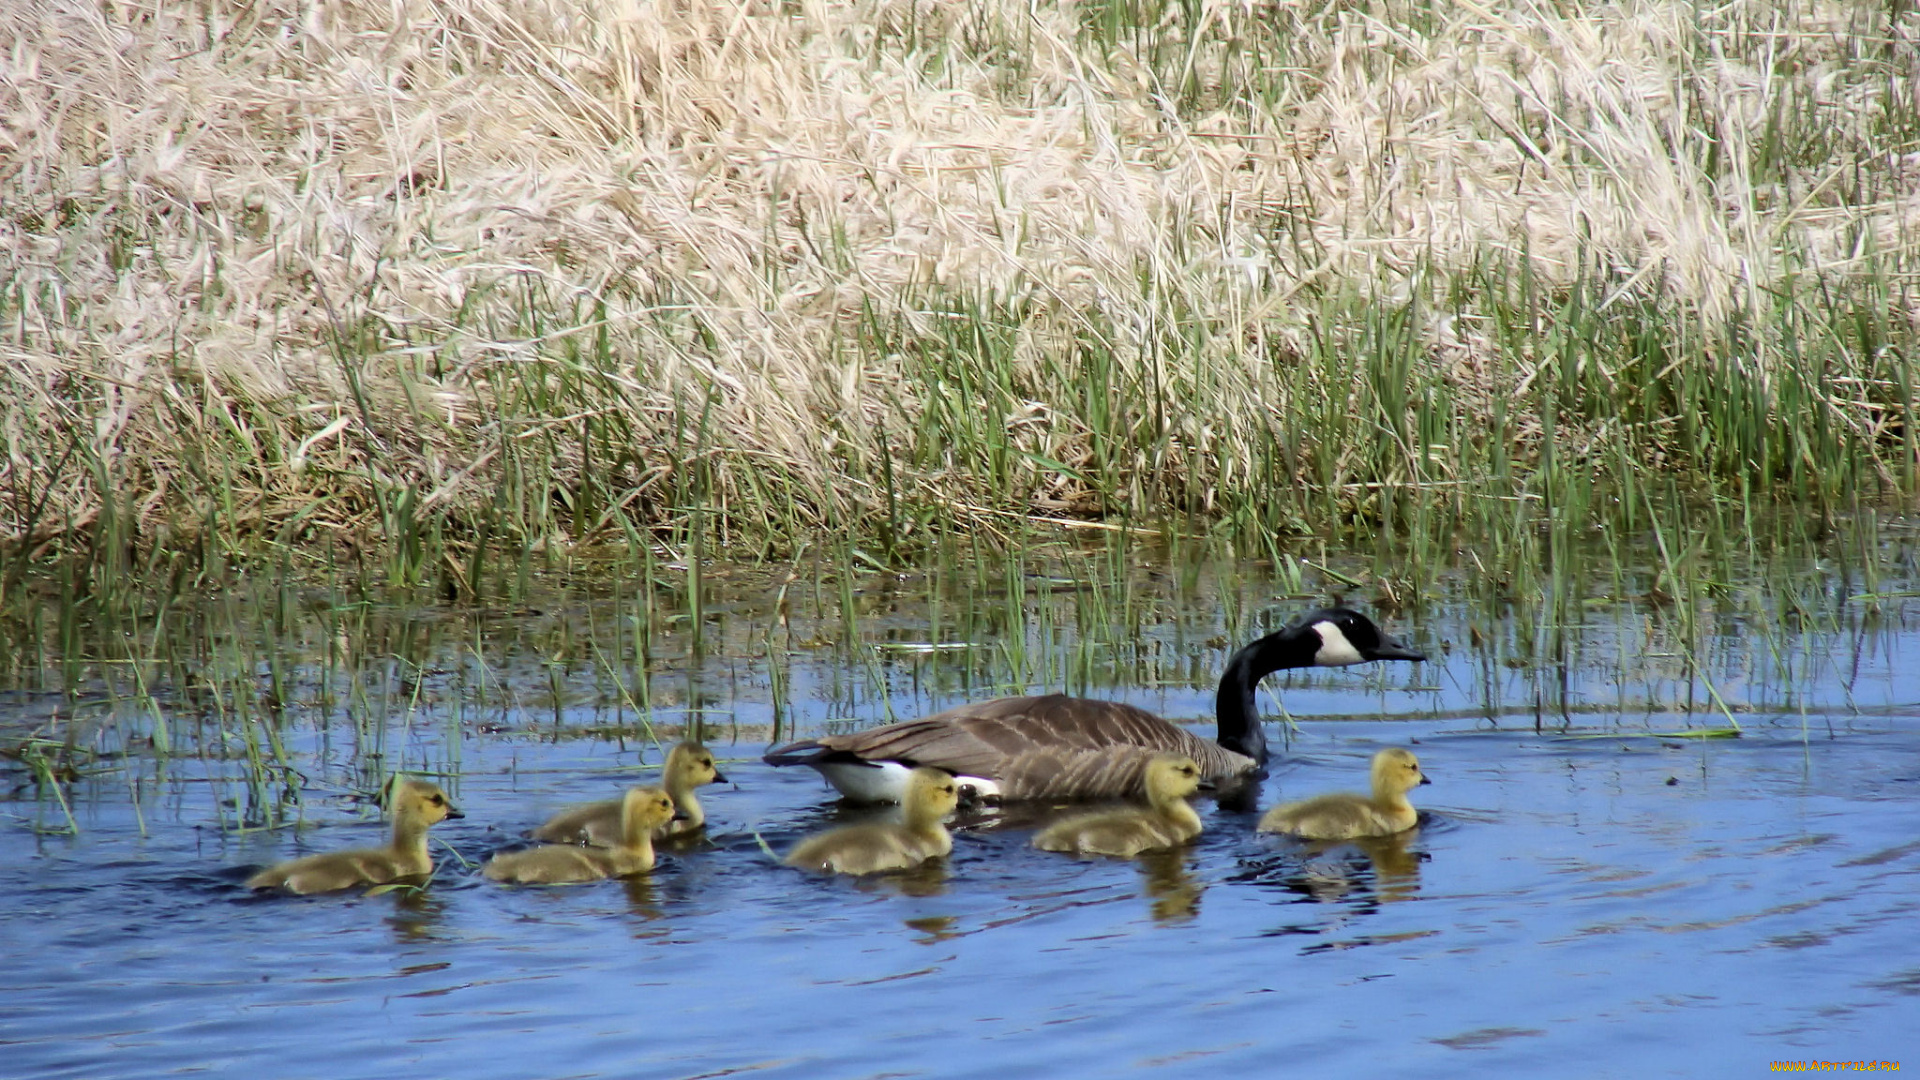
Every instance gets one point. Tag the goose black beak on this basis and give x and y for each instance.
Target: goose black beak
(720, 777)
(452, 813)
(679, 814)
(1425, 779)
(1392, 648)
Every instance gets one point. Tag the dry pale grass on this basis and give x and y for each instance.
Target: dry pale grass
(332, 268)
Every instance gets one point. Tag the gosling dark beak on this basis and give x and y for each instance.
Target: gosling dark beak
(452, 813)
(1425, 779)
(720, 777)
(1392, 648)
(679, 814)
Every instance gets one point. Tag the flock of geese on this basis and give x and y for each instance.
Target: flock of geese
(1007, 750)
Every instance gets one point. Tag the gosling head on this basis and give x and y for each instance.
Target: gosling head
(932, 792)
(1348, 637)
(1396, 769)
(1172, 777)
(694, 763)
(421, 801)
(644, 809)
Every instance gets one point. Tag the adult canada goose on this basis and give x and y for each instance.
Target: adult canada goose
(416, 805)
(1348, 816)
(1059, 747)
(689, 765)
(1167, 821)
(865, 849)
(642, 811)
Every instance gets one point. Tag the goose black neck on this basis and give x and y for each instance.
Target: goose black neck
(1234, 706)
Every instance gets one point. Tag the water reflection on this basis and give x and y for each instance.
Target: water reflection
(1386, 868)
(934, 929)
(1173, 896)
(641, 898)
(1054, 940)
(1396, 863)
(417, 914)
(927, 879)
(1365, 871)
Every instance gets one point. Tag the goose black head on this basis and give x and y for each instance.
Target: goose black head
(1348, 637)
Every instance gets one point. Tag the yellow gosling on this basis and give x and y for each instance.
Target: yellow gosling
(1347, 816)
(689, 766)
(866, 849)
(642, 811)
(416, 805)
(1166, 821)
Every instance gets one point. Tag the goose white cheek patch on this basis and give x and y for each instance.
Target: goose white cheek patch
(1335, 650)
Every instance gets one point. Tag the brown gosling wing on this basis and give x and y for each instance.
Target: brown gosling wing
(563, 864)
(337, 870)
(1335, 817)
(596, 823)
(866, 849)
(1116, 834)
(1123, 833)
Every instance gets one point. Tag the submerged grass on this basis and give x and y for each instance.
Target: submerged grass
(269, 694)
(1000, 346)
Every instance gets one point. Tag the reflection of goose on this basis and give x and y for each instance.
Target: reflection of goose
(1345, 816)
(864, 849)
(1173, 895)
(1396, 867)
(689, 765)
(1059, 747)
(1165, 822)
(642, 811)
(416, 805)
(1335, 870)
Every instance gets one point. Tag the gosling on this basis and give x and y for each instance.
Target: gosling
(416, 805)
(1167, 821)
(867, 849)
(1349, 816)
(689, 765)
(642, 811)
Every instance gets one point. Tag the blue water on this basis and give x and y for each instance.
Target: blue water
(1585, 899)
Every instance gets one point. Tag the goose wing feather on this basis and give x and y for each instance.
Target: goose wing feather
(1036, 747)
